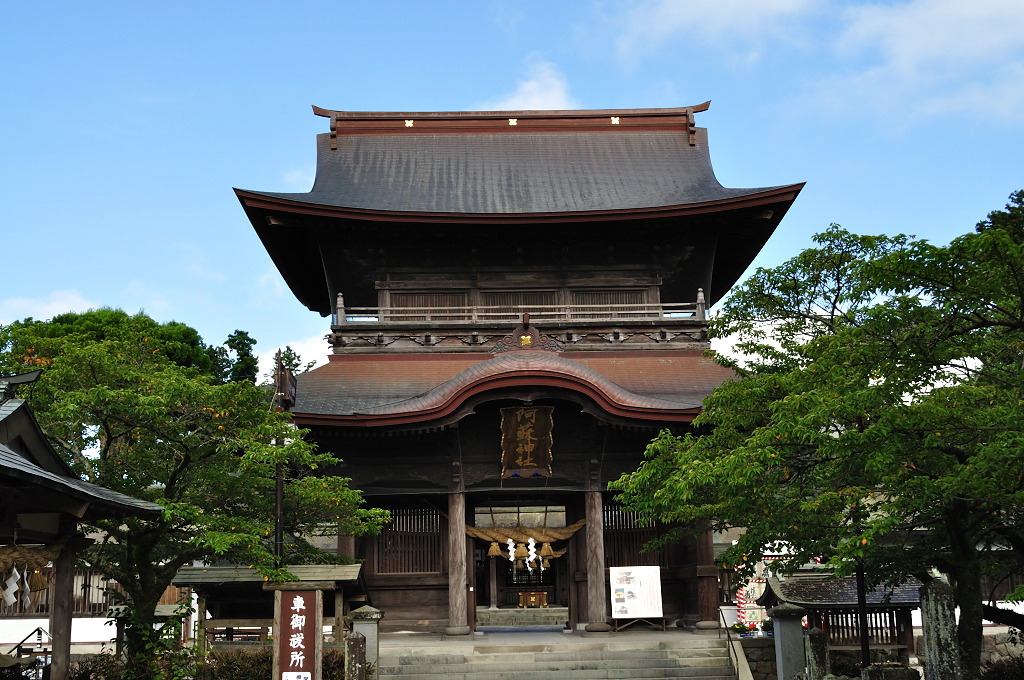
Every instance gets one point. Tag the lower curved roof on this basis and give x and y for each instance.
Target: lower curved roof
(375, 391)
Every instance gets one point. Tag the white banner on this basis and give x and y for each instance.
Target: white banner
(636, 592)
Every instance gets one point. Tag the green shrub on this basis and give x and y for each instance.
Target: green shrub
(237, 665)
(103, 666)
(1010, 668)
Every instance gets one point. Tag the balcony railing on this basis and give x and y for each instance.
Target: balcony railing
(509, 313)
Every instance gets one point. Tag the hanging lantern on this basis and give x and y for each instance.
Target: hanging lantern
(494, 550)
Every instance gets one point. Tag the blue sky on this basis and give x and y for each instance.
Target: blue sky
(126, 124)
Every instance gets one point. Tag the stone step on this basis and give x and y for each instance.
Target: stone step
(679, 659)
(580, 674)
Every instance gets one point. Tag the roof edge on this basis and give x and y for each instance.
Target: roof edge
(496, 115)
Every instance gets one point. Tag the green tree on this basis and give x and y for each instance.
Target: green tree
(878, 418)
(245, 365)
(132, 419)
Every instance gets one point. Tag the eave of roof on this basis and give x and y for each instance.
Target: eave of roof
(829, 592)
(102, 502)
(440, 399)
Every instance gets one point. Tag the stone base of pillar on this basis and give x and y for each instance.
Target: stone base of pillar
(457, 630)
(597, 627)
(706, 625)
(688, 621)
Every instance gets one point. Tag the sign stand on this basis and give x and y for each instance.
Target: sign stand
(636, 596)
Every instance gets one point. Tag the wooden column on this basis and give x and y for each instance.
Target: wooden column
(492, 572)
(458, 622)
(597, 601)
(707, 582)
(62, 608)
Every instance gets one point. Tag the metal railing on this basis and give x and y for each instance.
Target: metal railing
(733, 658)
(540, 313)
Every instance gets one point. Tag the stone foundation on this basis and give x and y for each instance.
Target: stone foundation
(760, 653)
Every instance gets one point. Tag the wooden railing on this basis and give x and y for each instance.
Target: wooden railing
(843, 628)
(539, 313)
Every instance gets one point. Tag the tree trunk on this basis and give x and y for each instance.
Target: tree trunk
(968, 630)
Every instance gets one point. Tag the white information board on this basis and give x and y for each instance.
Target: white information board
(636, 592)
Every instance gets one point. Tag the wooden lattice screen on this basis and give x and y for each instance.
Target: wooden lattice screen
(624, 537)
(410, 542)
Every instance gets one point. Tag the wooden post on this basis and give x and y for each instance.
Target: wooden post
(492, 583)
(597, 602)
(63, 605)
(458, 623)
(707, 582)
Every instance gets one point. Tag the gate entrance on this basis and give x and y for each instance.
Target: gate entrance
(521, 556)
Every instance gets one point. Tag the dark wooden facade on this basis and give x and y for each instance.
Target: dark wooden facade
(478, 264)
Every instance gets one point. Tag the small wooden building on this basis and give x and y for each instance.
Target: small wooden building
(831, 605)
(517, 305)
(42, 502)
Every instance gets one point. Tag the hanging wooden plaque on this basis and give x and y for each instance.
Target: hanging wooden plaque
(526, 441)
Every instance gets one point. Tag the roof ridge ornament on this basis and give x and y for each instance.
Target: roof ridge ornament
(526, 337)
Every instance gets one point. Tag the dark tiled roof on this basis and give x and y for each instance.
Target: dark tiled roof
(532, 172)
(364, 384)
(19, 470)
(818, 592)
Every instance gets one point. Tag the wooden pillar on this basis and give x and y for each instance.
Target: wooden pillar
(62, 607)
(597, 616)
(493, 581)
(458, 622)
(707, 582)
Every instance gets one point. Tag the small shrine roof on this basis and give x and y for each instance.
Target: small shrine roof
(825, 592)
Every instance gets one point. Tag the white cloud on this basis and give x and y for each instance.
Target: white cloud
(932, 57)
(271, 287)
(300, 178)
(57, 302)
(738, 26)
(545, 88)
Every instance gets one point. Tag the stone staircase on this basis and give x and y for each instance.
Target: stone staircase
(675, 656)
(519, 618)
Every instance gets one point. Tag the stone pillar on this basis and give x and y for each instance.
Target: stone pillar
(938, 621)
(366, 622)
(789, 640)
(707, 582)
(597, 598)
(817, 654)
(61, 609)
(458, 621)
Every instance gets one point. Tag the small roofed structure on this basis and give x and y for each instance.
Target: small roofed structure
(240, 603)
(831, 605)
(42, 502)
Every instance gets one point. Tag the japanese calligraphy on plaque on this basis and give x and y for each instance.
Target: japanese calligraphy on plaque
(526, 441)
(297, 650)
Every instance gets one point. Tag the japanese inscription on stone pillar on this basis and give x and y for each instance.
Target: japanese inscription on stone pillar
(526, 441)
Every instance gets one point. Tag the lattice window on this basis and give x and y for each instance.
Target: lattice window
(625, 536)
(510, 304)
(410, 542)
(600, 304)
(429, 305)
